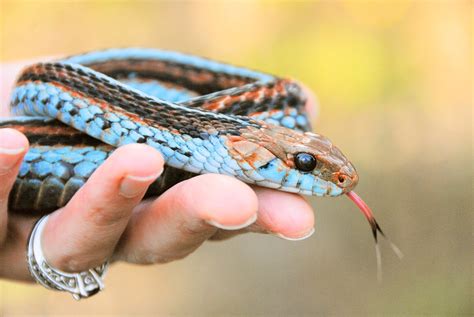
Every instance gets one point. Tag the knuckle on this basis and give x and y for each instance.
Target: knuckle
(102, 216)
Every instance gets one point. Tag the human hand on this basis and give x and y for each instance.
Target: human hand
(106, 219)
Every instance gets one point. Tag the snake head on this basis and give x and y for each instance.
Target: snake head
(301, 162)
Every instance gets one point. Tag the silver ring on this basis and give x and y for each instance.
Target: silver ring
(80, 285)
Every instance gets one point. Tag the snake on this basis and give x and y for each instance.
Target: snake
(202, 115)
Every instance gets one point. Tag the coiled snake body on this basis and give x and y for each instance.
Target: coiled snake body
(203, 116)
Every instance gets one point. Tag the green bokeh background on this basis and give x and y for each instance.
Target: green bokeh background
(394, 83)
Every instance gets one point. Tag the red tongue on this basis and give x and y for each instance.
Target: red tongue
(375, 228)
(367, 213)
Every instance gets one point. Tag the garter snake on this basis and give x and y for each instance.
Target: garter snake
(203, 116)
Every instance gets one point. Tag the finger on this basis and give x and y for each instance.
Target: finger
(13, 146)
(185, 216)
(285, 215)
(84, 233)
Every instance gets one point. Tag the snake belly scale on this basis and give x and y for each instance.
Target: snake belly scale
(203, 116)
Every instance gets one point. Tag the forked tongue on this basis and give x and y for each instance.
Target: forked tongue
(375, 230)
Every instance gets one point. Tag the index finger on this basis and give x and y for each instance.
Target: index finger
(84, 233)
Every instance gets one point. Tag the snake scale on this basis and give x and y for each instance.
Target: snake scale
(203, 116)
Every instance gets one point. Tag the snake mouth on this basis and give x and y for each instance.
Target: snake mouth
(367, 212)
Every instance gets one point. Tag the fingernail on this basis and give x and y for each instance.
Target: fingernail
(9, 151)
(133, 186)
(305, 236)
(236, 227)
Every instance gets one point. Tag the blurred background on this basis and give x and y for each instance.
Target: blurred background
(394, 82)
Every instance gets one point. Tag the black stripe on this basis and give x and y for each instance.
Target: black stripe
(62, 139)
(29, 122)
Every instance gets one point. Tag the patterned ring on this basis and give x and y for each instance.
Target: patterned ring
(80, 285)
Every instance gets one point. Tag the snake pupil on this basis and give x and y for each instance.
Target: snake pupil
(305, 162)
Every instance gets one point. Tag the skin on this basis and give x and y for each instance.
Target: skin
(107, 220)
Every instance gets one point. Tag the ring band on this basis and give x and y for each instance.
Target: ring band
(80, 285)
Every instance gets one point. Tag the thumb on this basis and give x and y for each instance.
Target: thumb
(13, 146)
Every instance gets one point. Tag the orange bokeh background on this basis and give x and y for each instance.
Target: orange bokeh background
(394, 83)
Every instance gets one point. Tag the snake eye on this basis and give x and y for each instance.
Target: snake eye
(305, 162)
